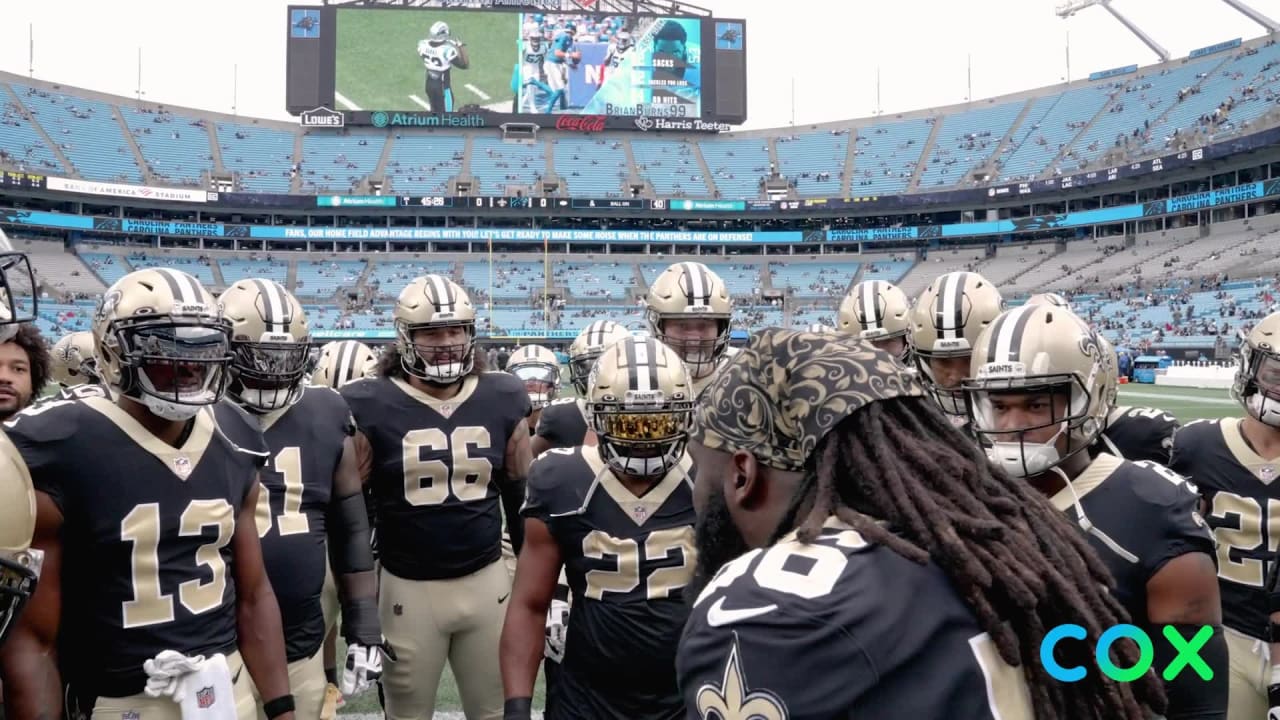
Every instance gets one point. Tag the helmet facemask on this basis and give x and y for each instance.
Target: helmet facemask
(644, 435)
(541, 381)
(436, 364)
(580, 370)
(17, 294)
(701, 355)
(1257, 385)
(267, 376)
(19, 573)
(171, 366)
(950, 399)
(1059, 402)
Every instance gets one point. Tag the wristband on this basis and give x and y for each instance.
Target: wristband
(517, 708)
(278, 707)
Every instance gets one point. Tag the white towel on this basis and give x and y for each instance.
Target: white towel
(201, 687)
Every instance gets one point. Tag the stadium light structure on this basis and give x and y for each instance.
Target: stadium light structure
(1254, 15)
(635, 7)
(1072, 7)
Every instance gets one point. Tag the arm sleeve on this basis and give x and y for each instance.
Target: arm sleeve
(1191, 697)
(1183, 529)
(539, 489)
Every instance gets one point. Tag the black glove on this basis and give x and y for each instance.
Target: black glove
(1273, 694)
(518, 709)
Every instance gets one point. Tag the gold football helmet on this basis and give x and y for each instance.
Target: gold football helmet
(1051, 299)
(640, 405)
(163, 341)
(690, 291)
(879, 312)
(342, 361)
(442, 310)
(270, 340)
(589, 345)
(73, 361)
(1037, 368)
(945, 323)
(1257, 381)
(539, 370)
(19, 564)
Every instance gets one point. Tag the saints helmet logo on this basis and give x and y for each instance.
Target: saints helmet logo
(732, 700)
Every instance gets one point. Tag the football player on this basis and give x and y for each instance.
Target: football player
(1130, 433)
(339, 363)
(688, 309)
(311, 491)
(72, 360)
(19, 562)
(945, 322)
(533, 73)
(619, 45)
(618, 517)
(878, 312)
(441, 53)
(563, 423)
(440, 442)
(145, 515)
(562, 55)
(1039, 395)
(848, 562)
(24, 367)
(342, 361)
(539, 370)
(1234, 463)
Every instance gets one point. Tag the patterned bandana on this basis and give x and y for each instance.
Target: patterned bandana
(786, 390)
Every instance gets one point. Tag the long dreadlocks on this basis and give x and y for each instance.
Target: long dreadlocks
(904, 477)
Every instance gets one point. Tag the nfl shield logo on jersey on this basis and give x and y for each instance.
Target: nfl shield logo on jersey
(130, 715)
(182, 466)
(205, 698)
(1267, 473)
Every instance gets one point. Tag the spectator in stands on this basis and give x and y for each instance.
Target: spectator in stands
(24, 369)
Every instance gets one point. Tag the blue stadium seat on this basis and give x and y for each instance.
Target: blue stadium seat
(322, 278)
(235, 270)
(965, 141)
(175, 147)
(86, 131)
(671, 167)
(814, 279)
(261, 156)
(737, 166)
(21, 144)
(591, 168)
(497, 164)
(424, 164)
(886, 156)
(802, 158)
(335, 163)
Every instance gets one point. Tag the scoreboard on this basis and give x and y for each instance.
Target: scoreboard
(456, 68)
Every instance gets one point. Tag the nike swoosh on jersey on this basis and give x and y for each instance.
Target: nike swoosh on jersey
(503, 598)
(718, 616)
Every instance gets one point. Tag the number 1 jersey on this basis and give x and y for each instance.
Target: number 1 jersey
(146, 533)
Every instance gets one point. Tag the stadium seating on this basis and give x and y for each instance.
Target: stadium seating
(830, 279)
(737, 166)
(319, 278)
(510, 280)
(260, 156)
(501, 165)
(336, 163)
(21, 145)
(424, 164)
(594, 280)
(1048, 128)
(886, 156)
(198, 267)
(965, 140)
(108, 266)
(86, 131)
(239, 269)
(391, 277)
(671, 166)
(175, 147)
(808, 161)
(591, 168)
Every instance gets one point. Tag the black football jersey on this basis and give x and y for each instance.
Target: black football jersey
(840, 629)
(1243, 501)
(80, 392)
(146, 533)
(1140, 516)
(297, 487)
(627, 560)
(437, 466)
(1139, 433)
(563, 423)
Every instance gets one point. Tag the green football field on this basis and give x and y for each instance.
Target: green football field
(378, 67)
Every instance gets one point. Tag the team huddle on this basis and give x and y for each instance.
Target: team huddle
(886, 519)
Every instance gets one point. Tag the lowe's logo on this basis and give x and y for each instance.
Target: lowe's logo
(323, 117)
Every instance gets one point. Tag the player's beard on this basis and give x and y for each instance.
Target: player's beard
(718, 541)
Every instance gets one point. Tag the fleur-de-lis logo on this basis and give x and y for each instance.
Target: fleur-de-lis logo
(732, 700)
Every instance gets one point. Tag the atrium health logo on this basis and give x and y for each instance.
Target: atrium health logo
(1188, 653)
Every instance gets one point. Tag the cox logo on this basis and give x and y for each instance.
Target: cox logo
(1188, 653)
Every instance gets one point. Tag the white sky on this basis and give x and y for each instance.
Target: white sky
(831, 48)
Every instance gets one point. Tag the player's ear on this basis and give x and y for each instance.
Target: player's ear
(744, 483)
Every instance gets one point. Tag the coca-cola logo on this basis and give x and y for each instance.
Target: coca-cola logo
(581, 123)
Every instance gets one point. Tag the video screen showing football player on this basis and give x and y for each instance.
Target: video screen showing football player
(688, 309)
(846, 561)
(20, 564)
(1039, 396)
(311, 504)
(563, 55)
(153, 558)
(445, 448)
(618, 518)
(563, 423)
(945, 323)
(1233, 462)
(534, 92)
(878, 312)
(441, 53)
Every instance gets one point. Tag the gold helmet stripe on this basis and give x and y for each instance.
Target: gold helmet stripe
(1009, 329)
(183, 287)
(443, 294)
(871, 319)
